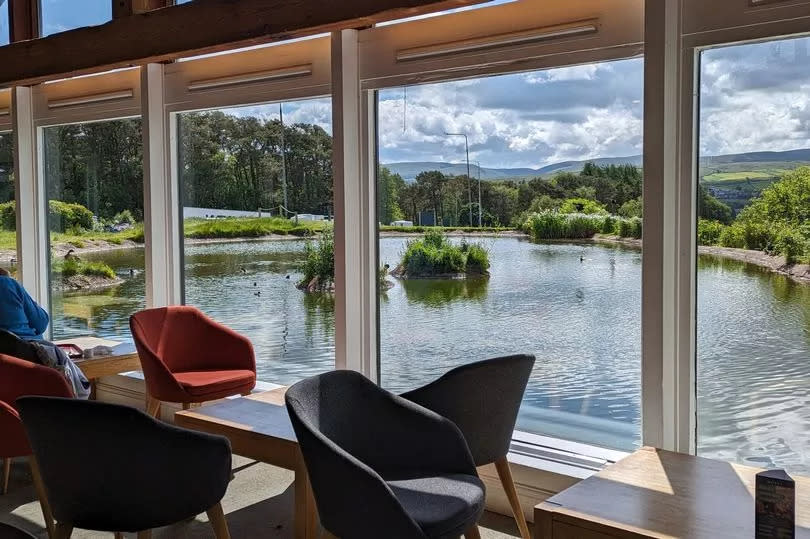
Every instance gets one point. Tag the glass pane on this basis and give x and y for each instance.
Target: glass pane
(256, 186)
(60, 15)
(753, 318)
(5, 30)
(94, 185)
(554, 161)
(8, 214)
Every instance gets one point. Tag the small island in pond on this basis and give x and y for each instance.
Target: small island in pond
(436, 257)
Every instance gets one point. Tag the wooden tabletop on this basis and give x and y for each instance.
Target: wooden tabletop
(655, 493)
(124, 357)
(258, 426)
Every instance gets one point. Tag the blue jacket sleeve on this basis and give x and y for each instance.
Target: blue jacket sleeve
(37, 317)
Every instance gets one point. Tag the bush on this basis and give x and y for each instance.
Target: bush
(435, 255)
(8, 216)
(609, 225)
(792, 245)
(554, 226)
(319, 261)
(63, 216)
(733, 236)
(631, 208)
(709, 232)
(582, 205)
(630, 228)
(124, 217)
(757, 236)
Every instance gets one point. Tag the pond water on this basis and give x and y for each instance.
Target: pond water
(575, 306)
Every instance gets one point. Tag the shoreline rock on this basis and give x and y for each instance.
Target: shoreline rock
(83, 283)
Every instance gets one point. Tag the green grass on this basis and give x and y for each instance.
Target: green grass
(71, 267)
(718, 177)
(551, 225)
(253, 227)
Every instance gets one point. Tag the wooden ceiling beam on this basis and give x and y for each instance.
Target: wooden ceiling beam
(199, 27)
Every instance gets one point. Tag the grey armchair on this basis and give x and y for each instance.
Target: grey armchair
(483, 400)
(382, 466)
(113, 468)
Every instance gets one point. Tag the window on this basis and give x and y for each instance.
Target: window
(554, 160)
(8, 214)
(94, 186)
(753, 320)
(256, 186)
(5, 31)
(60, 15)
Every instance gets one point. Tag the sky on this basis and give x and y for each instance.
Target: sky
(753, 97)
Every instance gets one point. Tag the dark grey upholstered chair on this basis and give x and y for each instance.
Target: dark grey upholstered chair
(483, 399)
(381, 466)
(113, 468)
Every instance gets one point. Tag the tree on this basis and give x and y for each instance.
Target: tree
(389, 187)
(432, 186)
(712, 209)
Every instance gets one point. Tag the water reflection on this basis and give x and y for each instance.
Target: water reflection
(438, 293)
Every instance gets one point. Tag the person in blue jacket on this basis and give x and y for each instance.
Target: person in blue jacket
(19, 313)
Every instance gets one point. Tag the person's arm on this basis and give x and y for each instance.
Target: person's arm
(37, 317)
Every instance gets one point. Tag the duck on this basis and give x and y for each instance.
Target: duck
(257, 293)
(70, 256)
(242, 269)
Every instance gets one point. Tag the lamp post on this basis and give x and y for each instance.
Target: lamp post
(283, 160)
(469, 187)
(478, 164)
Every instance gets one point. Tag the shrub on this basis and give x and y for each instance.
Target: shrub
(631, 208)
(435, 255)
(609, 225)
(554, 226)
(63, 216)
(8, 216)
(582, 205)
(301, 231)
(791, 244)
(733, 236)
(757, 236)
(709, 232)
(124, 217)
(630, 228)
(319, 261)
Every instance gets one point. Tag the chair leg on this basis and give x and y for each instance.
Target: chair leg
(39, 486)
(6, 473)
(186, 405)
(472, 532)
(152, 406)
(62, 531)
(505, 474)
(218, 522)
(145, 534)
(119, 535)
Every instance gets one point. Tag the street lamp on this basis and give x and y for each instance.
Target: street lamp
(478, 164)
(469, 187)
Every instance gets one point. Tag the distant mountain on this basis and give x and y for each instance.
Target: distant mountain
(409, 170)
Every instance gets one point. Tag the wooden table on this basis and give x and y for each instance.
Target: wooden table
(123, 359)
(654, 493)
(259, 428)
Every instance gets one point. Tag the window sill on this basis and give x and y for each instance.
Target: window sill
(541, 466)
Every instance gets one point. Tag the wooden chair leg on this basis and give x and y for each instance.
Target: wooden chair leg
(218, 522)
(119, 535)
(39, 486)
(145, 534)
(472, 532)
(502, 465)
(62, 531)
(186, 405)
(6, 473)
(152, 406)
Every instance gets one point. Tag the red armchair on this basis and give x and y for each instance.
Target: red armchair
(188, 358)
(20, 378)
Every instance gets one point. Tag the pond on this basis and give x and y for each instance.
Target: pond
(575, 306)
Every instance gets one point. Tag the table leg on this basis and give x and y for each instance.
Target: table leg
(306, 514)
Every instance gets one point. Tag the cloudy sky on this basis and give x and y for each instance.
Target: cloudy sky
(753, 97)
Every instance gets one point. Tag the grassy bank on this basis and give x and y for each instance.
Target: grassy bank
(72, 267)
(445, 229)
(251, 227)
